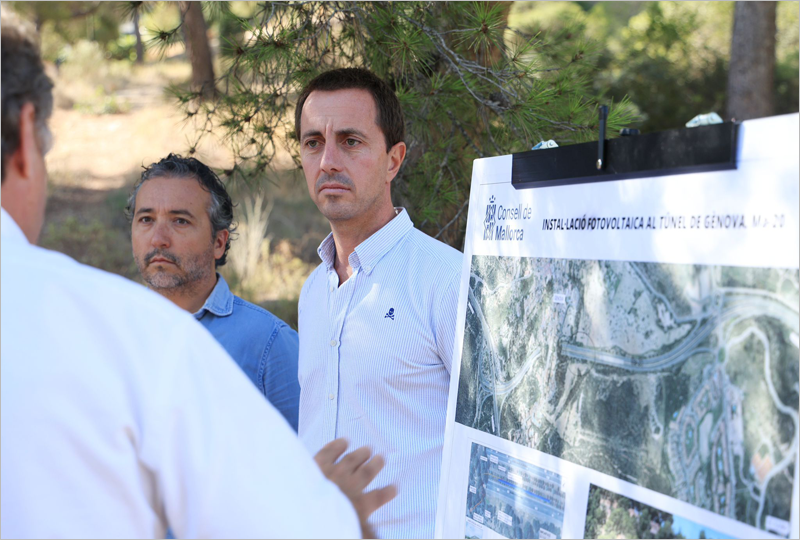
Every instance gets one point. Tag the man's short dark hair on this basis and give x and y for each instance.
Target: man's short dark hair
(390, 114)
(220, 212)
(24, 81)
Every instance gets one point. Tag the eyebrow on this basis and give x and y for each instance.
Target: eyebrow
(351, 131)
(345, 131)
(177, 212)
(314, 133)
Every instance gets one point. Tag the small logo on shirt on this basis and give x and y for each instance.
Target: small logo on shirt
(389, 315)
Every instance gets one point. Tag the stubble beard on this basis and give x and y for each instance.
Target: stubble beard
(337, 209)
(191, 271)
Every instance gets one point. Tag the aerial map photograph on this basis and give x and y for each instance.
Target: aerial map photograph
(512, 498)
(611, 515)
(682, 379)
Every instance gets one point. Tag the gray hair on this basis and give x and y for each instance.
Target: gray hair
(220, 211)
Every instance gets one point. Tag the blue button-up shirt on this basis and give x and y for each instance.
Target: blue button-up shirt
(375, 356)
(262, 344)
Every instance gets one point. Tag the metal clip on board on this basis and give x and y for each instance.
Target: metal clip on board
(601, 141)
(677, 151)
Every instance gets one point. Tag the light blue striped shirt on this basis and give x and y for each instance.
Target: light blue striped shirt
(375, 356)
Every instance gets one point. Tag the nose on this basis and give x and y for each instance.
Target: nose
(331, 157)
(161, 236)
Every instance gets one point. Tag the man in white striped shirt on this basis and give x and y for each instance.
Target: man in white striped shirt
(377, 317)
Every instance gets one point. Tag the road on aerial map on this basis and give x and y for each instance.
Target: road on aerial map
(494, 388)
(752, 306)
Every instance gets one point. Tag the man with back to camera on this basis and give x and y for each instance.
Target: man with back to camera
(181, 223)
(120, 414)
(377, 317)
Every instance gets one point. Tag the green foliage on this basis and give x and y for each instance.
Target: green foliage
(670, 58)
(62, 23)
(469, 86)
(612, 515)
(123, 48)
(672, 62)
(787, 56)
(621, 523)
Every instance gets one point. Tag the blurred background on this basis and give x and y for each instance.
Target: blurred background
(135, 81)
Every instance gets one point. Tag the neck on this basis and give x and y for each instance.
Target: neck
(347, 235)
(193, 296)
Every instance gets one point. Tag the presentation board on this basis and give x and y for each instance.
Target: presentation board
(626, 360)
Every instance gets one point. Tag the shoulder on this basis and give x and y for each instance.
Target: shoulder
(264, 320)
(317, 274)
(93, 304)
(61, 272)
(432, 252)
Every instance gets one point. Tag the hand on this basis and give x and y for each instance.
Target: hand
(352, 474)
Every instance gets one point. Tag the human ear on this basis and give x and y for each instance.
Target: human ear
(397, 154)
(219, 243)
(27, 158)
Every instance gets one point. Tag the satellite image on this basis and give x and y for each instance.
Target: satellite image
(511, 498)
(682, 379)
(611, 515)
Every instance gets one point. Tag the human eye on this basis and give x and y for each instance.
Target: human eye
(351, 142)
(311, 143)
(181, 221)
(145, 219)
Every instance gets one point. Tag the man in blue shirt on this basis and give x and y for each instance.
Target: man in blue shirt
(181, 223)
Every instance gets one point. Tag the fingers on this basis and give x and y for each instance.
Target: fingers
(368, 471)
(329, 453)
(373, 500)
(354, 460)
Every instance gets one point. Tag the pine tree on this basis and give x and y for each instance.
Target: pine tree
(470, 87)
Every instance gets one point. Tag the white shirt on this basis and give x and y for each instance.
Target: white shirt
(121, 415)
(374, 366)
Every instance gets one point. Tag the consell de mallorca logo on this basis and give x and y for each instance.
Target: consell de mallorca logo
(508, 230)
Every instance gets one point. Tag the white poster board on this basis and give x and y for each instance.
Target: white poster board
(627, 354)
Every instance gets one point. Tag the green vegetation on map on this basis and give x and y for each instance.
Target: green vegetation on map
(611, 515)
(682, 379)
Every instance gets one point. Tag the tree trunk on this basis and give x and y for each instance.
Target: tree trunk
(198, 48)
(139, 46)
(751, 88)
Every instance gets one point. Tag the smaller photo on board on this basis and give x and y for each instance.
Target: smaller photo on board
(509, 498)
(611, 515)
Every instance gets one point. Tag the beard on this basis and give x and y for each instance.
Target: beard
(184, 277)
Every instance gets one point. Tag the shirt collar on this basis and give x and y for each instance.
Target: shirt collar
(370, 251)
(219, 302)
(9, 228)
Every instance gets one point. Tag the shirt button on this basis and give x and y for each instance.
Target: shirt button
(333, 288)
(334, 343)
(331, 396)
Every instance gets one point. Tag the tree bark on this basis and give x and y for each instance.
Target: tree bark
(139, 45)
(198, 48)
(751, 76)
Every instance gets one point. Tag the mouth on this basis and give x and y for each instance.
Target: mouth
(333, 189)
(161, 260)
